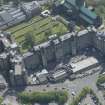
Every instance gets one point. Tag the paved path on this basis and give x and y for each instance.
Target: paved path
(87, 101)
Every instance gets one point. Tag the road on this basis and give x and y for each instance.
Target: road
(76, 86)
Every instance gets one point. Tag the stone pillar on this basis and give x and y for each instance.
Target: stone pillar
(12, 80)
(43, 54)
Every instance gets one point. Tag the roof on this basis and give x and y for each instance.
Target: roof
(84, 64)
(43, 72)
(85, 13)
(83, 32)
(6, 16)
(2, 79)
(6, 42)
(84, 17)
(42, 78)
(72, 2)
(53, 103)
(18, 69)
(101, 34)
(3, 55)
(59, 73)
(66, 36)
(31, 5)
(27, 54)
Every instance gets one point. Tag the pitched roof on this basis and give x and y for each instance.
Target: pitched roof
(84, 12)
(88, 13)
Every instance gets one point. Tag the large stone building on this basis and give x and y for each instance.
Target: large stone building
(52, 51)
(55, 50)
(78, 11)
(12, 15)
(99, 41)
(18, 74)
(15, 65)
(11, 63)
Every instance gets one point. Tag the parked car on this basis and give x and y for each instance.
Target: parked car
(45, 13)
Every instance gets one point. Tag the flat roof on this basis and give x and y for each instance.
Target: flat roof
(2, 79)
(59, 73)
(84, 64)
(18, 69)
(5, 42)
(87, 12)
(43, 72)
(83, 32)
(52, 103)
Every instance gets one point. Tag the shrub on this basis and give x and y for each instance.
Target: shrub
(101, 79)
(83, 94)
(1, 99)
(43, 97)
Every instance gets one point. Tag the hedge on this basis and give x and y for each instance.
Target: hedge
(59, 97)
(100, 80)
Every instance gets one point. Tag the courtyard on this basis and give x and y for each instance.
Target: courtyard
(40, 27)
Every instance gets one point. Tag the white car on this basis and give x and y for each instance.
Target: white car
(45, 13)
(73, 93)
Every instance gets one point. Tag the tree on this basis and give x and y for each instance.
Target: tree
(29, 39)
(43, 97)
(48, 32)
(1, 99)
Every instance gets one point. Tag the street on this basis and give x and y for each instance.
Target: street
(76, 86)
(71, 86)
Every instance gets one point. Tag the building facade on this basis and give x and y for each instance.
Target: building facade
(78, 12)
(12, 15)
(55, 50)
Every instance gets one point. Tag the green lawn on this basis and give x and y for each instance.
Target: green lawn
(38, 26)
